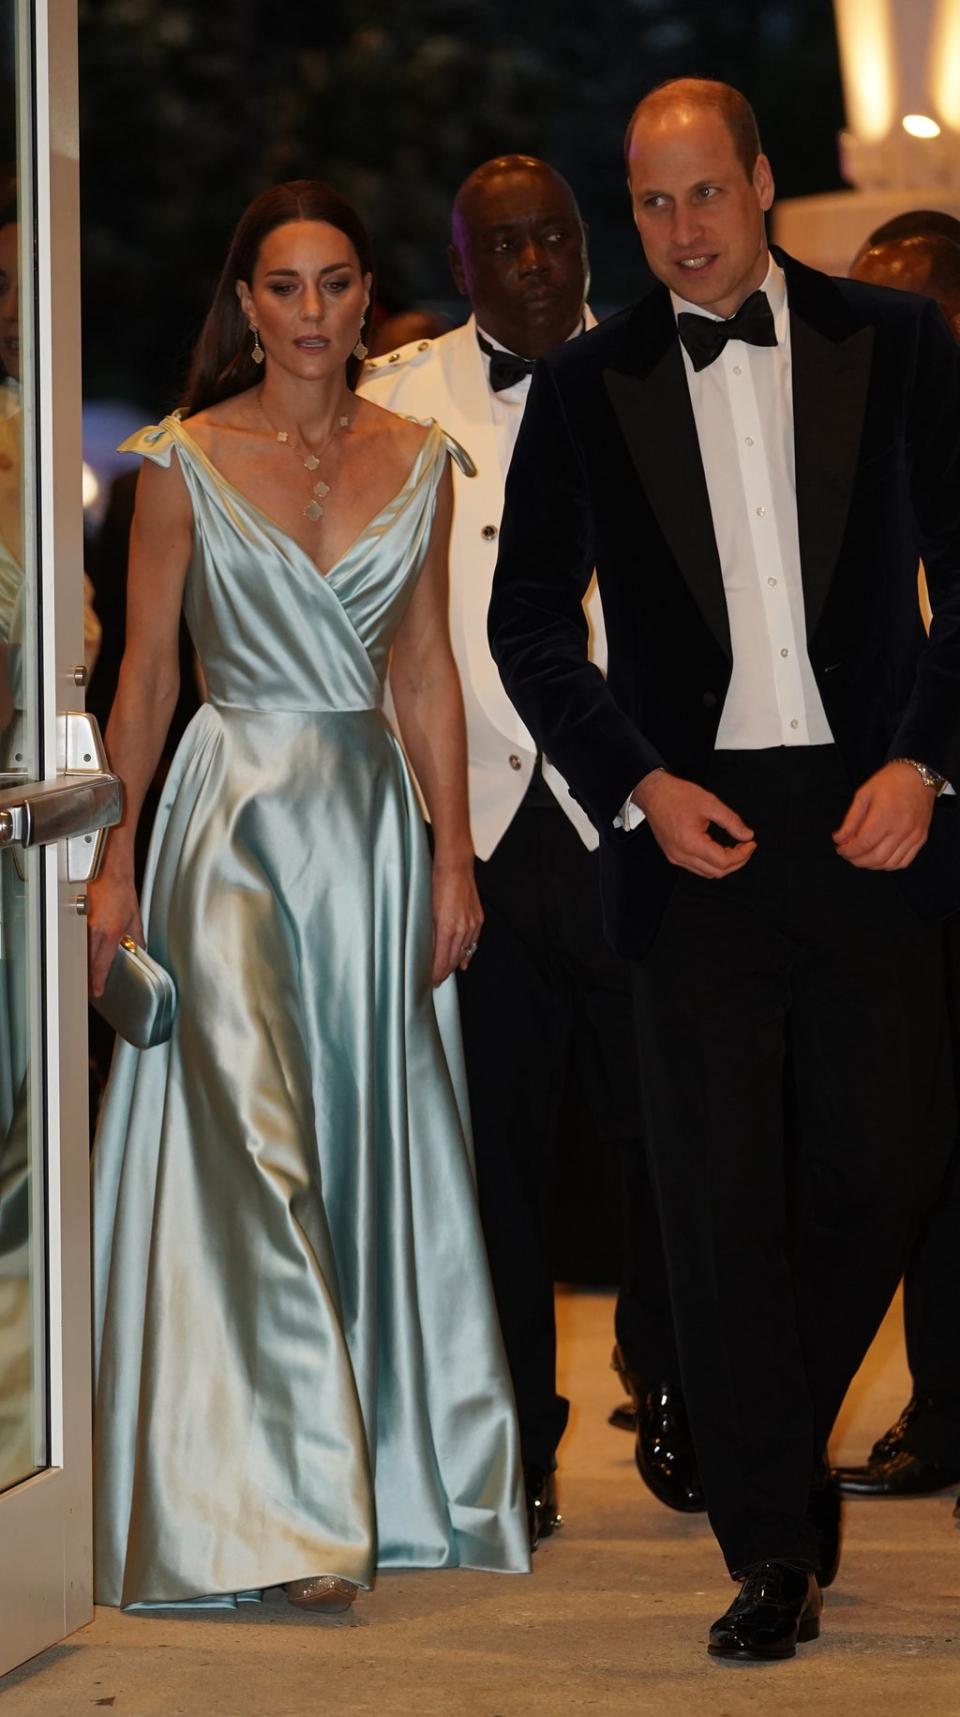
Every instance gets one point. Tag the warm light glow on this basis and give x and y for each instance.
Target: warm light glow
(91, 486)
(944, 71)
(920, 125)
(865, 29)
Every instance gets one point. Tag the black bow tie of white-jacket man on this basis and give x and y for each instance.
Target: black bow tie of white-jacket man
(755, 524)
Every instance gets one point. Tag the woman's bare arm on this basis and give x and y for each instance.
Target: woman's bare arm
(429, 705)
(160, 547)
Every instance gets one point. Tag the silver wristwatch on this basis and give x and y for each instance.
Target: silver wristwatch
(929, 777)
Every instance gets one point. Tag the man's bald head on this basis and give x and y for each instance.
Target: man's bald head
(927, 263)
(471, 200)
(518, 252)
(916, 223)
(701, 95)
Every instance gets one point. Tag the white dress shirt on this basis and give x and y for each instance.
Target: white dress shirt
(507, 405)
(743, 410)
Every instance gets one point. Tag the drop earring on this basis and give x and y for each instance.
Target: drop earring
(360, 350)
(258, 353)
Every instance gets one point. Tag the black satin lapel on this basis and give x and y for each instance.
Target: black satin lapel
(656, 417)
(830, 383)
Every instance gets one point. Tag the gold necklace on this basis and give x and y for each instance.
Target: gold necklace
(314, 508)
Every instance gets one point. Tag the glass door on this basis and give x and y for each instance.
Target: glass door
(55, 794)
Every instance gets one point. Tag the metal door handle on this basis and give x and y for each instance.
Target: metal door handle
(85, 799)
(57, 810)
(11, 825)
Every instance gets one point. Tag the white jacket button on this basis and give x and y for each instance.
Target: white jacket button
(515, 762)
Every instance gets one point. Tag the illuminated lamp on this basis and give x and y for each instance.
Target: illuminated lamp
(900, 67)
(920, 125)
(91, 486)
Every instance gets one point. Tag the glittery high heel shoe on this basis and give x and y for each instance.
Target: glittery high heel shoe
(326, 1593)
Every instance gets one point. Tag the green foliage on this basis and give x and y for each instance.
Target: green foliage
(188, 109)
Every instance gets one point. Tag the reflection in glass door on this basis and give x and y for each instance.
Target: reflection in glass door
(23, 1358)
(54, 797)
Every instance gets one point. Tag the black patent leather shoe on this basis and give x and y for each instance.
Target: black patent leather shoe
(777, 1609)
(825, 1512)
(891, 1468)
(543, 1516)
(665, 1456)
(894, 1440)
(900, 1474)
(623, 1417)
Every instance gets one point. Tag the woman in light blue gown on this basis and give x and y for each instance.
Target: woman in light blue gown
(300, 1377)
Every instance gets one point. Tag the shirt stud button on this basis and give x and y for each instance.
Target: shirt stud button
(761, 512)
(748, 440)
(515, 762)
(772, 583)
(488, 533)
(784, 652)
(737, 370)
(794, 722)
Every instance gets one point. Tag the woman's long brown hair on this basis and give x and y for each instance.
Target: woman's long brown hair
(222, 364)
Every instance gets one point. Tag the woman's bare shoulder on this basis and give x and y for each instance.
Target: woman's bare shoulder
(405, 434)
(237, 415)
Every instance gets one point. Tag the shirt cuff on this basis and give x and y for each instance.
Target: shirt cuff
(630, 816)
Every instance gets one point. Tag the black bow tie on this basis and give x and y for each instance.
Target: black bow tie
(506, 369)
(705, 339)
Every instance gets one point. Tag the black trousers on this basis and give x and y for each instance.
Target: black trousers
(544, 991)
(931, 1288)
(797, 1082)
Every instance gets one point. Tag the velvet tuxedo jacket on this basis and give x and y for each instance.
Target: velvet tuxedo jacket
(607, 473)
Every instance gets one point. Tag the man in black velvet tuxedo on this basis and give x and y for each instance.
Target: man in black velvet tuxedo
(752, 458)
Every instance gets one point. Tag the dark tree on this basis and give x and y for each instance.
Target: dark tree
(189, 108)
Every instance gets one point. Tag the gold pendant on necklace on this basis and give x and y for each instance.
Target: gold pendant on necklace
(313, 509)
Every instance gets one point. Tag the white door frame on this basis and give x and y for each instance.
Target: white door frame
(46, 1572)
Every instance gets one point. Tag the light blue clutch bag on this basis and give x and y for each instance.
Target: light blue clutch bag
(139, 997)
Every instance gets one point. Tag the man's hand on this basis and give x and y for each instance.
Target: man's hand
(678, 813)
(888, 820)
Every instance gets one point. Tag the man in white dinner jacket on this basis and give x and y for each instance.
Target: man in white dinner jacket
(544, 990)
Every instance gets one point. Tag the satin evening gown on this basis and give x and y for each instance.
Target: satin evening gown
(299, 1368)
